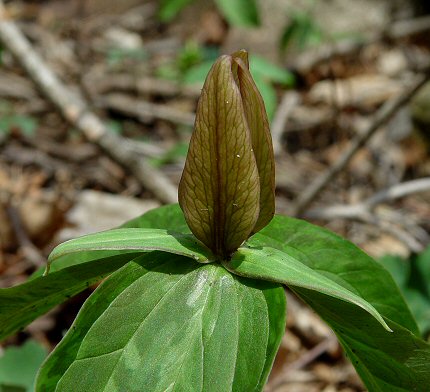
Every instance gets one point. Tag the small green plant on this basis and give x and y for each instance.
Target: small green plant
(10, 121)
(236, 12)
(303, 31)
(175, 153)
(117, 56)
(413, 277)
(19, 365)
(194, 299)
(191, 55)
(193, 63)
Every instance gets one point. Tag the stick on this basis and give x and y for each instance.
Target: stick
(74, 110)
(411, 234)
(382, 116)
(306, 359)
(141, 85)
(28, 248)
(289, 101)
(366, 207)
(143, 110)
(399, 190)
(398, 30)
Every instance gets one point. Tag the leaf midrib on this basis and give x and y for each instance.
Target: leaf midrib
(201, 312)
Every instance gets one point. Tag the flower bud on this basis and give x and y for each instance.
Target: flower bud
(227, 187)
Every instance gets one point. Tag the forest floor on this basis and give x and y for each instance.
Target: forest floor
(350, 125)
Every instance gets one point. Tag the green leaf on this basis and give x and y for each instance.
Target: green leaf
(302, 31)
(219, 188)
(178, 151)
(240, 12)
(399, 268)
(386, 362)
(170, 8)
(413, 277)
(19, 365)
(164, 323)
(268, 93)
(169, 217)
(271, 72)
(284, 267)
(122, 240)
(197, 73)
(419, 278)
(340, 261)
(22, 304)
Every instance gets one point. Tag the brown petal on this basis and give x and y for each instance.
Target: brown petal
(258, 123)
(219, 188)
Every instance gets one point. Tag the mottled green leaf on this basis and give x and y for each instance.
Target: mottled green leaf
(219, 188)
(162, 323)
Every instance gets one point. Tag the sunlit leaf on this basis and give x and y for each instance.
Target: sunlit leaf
(162, 323)
(339, 260)
(120, 241)
(284, 267)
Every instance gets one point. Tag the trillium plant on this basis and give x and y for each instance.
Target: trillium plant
(192, 295)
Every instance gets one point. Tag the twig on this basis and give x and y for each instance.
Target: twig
(408, 27)
(401, 234)
(306, 359)
(289, 101)
(366, 207)
(382, 116)
(142, 85)
(309, 59)
(399, 190)
(143, 110)
(401, 29)
(66, 152)
(364, 212)
(29, 249)
(74, 109)
(393, 228)
(16, 87)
